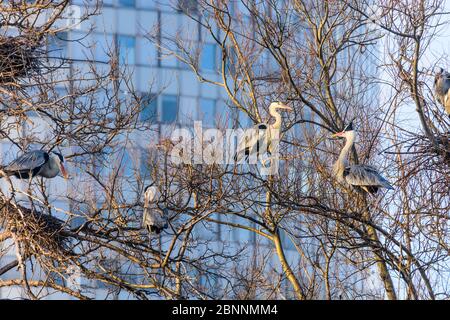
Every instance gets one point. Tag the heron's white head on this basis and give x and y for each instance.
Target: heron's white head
(278, 105)
(438, 75)
(151, 193)
(348, 132)
(59, 160)
(442, 75)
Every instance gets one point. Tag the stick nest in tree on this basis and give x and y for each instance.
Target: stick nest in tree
(40, 234)
(19, 57)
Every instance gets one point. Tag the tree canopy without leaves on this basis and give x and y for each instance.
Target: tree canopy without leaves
(233, 233)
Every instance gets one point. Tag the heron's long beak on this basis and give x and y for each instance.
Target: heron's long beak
(285, 107)
(337, 135)
(63, 171)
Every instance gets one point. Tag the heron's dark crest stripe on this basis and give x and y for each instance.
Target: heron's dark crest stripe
(262, 126)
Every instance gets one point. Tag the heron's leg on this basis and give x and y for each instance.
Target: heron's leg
(273, 166)
(252, 168)
(265, 159)
(369, 203)
(160, 253)
(29, 184)
(264, 162)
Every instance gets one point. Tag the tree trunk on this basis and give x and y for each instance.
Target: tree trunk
(286, 268)
(381, 264)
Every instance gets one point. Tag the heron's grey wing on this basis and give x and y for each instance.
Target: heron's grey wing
(364, 175)
(147, 218)
(248, 143)
(446, 76)
(28, 161)
(155, 219)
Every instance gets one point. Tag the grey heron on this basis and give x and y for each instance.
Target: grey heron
(442, 89)
(36, 163)
(154, 219)
(261, 135)
(359, 177)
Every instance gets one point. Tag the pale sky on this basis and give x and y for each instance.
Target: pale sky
(436, 54)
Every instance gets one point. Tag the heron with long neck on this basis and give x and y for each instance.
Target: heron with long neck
(360, 177)
(342, 161)
(275, 114)
(154, 218)
(261, 134)
(442, 89)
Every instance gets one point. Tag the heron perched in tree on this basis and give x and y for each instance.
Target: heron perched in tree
(36, 163)
(358, 176)
(261, 135)
(154, 218)
(442, 89)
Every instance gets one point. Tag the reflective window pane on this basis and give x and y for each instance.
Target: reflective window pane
(148, 4)
(102, 45)
(207, 111)
(57, 45)
(147, 52)
(126, 3)
(208, 57)
(126, 47)
(169, 108)
(149, 111)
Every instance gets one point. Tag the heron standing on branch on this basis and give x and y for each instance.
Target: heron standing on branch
(442, 89)
(360, 177)
(261, 135)
(154, 218)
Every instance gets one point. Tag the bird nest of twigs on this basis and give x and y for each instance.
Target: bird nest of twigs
(19, 57)
(39, 234)
(441, 147)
